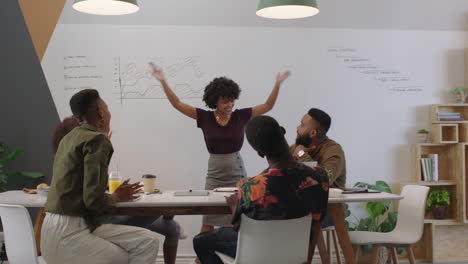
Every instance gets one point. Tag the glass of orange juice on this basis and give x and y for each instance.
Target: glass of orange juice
(114, 181)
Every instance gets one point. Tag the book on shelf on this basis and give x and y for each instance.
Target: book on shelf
(451, 119)
(448, 114)
(424, 170)
(430, 168)
(435, 166)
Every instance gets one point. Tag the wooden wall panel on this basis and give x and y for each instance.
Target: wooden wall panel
(41, 18)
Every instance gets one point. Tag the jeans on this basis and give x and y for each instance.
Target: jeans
(165, 225)
(223, 240)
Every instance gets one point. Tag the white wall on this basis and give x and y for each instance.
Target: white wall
(375, 113)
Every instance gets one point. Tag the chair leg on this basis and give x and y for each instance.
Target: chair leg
(394, 255)
(316, 229)
(412, 260)
(329, 248)
(337, 250)
(375, 254)
(357, 251)
(324, 256)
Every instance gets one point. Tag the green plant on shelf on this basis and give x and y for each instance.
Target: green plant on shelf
(456, 91)
(438, 201)
(438, 198)
(423, 131)
(460, 94)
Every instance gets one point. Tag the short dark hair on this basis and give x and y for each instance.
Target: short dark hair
(62, 129)
(82, 102)
(266, 136)
(220, 87)
(322, 118)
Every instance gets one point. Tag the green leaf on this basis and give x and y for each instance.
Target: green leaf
(3, 178)
(347, 213)
(29, 174)
(11, 156)
(2, 147)
(366, 248)
(438, 198)
(375, 209)
(381, 186)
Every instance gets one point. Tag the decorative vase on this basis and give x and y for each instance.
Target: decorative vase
(439, 212)
(423, 137)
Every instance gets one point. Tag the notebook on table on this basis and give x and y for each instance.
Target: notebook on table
(358, 190)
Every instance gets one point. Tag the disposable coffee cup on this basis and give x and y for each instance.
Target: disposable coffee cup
(149, 183)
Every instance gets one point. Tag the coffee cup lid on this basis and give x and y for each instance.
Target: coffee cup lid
(148, 176)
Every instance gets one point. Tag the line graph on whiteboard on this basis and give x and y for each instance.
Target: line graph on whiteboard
(133, 80)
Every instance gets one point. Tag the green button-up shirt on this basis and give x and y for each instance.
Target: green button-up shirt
(80, 174)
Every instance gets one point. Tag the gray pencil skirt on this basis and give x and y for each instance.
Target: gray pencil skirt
(224, 170)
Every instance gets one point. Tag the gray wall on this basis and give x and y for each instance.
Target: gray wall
(27, 112)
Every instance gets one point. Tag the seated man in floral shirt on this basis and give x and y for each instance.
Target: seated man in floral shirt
(286, 190)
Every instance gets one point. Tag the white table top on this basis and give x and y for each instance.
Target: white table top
(168, 199)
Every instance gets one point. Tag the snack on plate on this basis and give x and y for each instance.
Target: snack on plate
(29, 191)
(42, 185)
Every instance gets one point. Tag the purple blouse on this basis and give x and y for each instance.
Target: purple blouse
(223, 139)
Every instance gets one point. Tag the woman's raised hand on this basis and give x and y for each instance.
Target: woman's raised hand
(280, 77)
(157, 72)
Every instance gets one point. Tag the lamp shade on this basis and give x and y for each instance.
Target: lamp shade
(106, 7)
(287, 9)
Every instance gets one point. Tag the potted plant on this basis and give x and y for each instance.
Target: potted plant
(379, 218)
(437, 201)
(5, 159)
(460, 94)
(423, 134)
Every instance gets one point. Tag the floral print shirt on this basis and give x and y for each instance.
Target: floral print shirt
(284, 194)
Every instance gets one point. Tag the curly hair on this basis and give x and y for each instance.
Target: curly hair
(62, 130)
(220, 87)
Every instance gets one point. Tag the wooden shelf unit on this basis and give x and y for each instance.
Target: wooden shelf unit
(454, 210)
(444, 133)
(445, 240)
(447, 160)
(448, 108)
(463, 133)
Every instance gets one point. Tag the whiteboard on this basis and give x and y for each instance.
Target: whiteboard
(375, 84)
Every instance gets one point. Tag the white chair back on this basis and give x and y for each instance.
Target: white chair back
(273, 241)
(19, 236)
(411, 212)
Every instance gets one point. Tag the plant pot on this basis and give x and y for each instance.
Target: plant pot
(365, 258)
(439, 212)
(423, 137)
(460, 98)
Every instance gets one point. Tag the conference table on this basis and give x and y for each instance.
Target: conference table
(166, 203)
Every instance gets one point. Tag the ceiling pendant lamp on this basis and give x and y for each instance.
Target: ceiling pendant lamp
(106, 7)
(287, 9)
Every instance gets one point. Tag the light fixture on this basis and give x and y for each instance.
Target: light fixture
(287, 9)
(106, 7)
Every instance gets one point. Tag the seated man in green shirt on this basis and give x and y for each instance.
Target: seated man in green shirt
(164, 225)
(312, 144)
(70, 232)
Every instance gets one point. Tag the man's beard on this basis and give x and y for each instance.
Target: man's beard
(305, 140)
